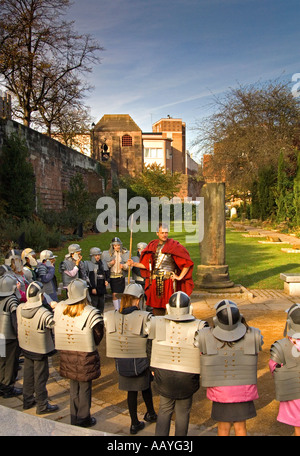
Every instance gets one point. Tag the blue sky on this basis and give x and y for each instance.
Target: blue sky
(171, 57)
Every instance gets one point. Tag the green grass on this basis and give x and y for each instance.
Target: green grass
(256, 265)
(251, 264)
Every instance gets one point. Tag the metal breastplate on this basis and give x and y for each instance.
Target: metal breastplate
(224, 365)
(125, 334)
(75, 333)
(286, 377)
(163, 261)
(173, 346)
(6, 306)
(32, 334)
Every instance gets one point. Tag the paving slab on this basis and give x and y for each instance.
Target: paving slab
(262, 308)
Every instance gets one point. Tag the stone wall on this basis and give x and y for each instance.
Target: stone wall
(54, 165)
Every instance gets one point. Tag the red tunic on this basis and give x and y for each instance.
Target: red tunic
(182, 259)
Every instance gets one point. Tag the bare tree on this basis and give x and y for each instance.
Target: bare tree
(251, 125)
(71, 126)
(40, 52)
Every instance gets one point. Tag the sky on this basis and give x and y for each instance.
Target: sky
(173, 57)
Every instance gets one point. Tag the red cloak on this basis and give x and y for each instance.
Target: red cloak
(182, 259)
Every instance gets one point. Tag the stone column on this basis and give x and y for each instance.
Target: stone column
(213, 271)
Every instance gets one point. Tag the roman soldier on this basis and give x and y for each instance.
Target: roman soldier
(167, 267)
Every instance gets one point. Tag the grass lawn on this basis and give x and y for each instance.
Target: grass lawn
(251, 264)
(255, 265)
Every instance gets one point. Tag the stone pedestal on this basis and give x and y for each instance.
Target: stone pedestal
(213, 271)
(291, 283)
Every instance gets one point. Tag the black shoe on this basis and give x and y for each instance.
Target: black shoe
(151, 418)
(91, 422)
(12, 392)
(29, 406)
(135, 428)
(49, 409)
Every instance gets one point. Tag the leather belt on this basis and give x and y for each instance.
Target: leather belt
(162, 273)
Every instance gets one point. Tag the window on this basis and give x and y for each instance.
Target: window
(126, 140)
(153, 153)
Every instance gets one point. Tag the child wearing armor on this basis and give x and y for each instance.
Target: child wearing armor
(72, 267)
(78, 330)
(176, 363)
(98, 278)
(126, 341)
(35, 323)
(228, 360)
(45, 273)
(8, 330)
(116, 259)
(14, 262)
(285, 367)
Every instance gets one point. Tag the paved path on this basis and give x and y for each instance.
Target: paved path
(263, 308)
(253, 231)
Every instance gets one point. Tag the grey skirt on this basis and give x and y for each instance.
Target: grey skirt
(230, 412)
(138, 383)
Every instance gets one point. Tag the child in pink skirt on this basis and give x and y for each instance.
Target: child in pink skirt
(285, 367)
(229, 352)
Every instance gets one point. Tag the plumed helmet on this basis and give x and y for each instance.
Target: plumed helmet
(34, 293)
(179, 307)
(134, 289)
(30, 254)
(141, 245)
(74, 248)
(47, 255)
(8, 285)
(95, 251)
(228, 325)
(77, 291)
(292, 327)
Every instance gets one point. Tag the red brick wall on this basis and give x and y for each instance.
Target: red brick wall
(54, 165)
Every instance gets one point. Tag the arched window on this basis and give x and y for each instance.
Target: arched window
(126, 140)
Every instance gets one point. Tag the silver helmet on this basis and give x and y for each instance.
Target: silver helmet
(292, 326)
(141, 246)
(73, 248)
(47, 255)
(179, 307)
(94, 251)
(228, 325)
(77, 291)
(13, 254)
(134, 289)
(34, 293)
(8, 285)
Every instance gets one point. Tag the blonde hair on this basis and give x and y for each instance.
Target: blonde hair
(74, 310)
(127, 301)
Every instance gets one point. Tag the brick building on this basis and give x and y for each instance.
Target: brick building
(124, 141)
(174, 129)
